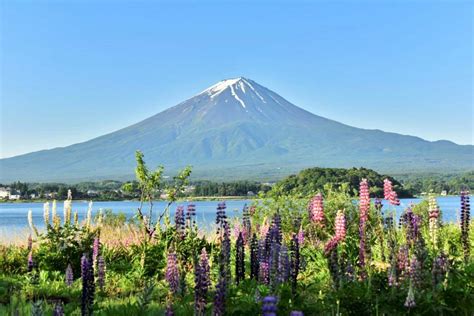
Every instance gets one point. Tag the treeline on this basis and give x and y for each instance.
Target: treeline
(236, 188)
(312, 180)
(452, 184)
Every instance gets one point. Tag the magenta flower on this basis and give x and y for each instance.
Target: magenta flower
(340, 226)
(389, 194)
(316, 209)
(301, 236)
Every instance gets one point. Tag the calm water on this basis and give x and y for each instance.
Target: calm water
(14, 223)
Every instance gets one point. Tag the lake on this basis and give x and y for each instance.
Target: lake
(14, 223)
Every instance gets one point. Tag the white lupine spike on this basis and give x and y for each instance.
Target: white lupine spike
(46, 213)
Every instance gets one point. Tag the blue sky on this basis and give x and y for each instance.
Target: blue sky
(74, 70)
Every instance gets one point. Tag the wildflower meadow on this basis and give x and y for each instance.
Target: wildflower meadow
(325, 254)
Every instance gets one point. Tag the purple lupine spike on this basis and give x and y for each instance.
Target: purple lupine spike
(88, 286)
(264, 272)
(179, 220)
(221, 218)
(202, 282)
(465, 221)
(269, 306)
(294, 261)
(254, 258)
(191, 216)
(219, 300)
(296, 313)
(101, 272)
(274, 260)
(30, 243)
(239, 259)
(440, 268)
(69, 275)
(172, 272)
(95, 249)
(283, 265)
(403, 260)
(246, 223)
(301, 236)
(169, 311)
(31, 262)
(224, 267)
(58, 309)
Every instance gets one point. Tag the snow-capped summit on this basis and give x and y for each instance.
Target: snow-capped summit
(239, 88)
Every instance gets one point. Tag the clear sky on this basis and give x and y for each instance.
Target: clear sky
(74, 70)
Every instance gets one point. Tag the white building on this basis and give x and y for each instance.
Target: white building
(4, 193)
(15, 195)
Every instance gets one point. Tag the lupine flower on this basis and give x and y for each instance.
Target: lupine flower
(340, 232)
(68, 208)
(221, 218)
(264, 229)
(95, 249)
(31, 263)
(88, 286)
(169, 311)
(30, 242)
(89, 215)
(58, 309)
(46, 214)
(340, 225)
(53, 210)
(273, 263)
(31, 224)
(364, 206)
(410, 300)
(364, 200)
(264, 271)
(296, 313)
(294, 261)
(76, 219)
(239, 259)
(316, 209)
(202, 282)
(190, 216)
(301, 236)
(403, 263)
(179, 220)
(69, 275)
(440, 267)
(172, 272)
(378, 204)
(433, 211)
(389, 194)
(219, 300)
(465, 220)
(269, 306)
(283, 265)
(254, 258)
(224, 266)
(247, 226)
(415, 271)
(101, 272)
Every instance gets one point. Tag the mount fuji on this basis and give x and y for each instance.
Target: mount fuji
(237, 129)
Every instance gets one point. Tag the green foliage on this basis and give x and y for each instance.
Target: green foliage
(310, 181)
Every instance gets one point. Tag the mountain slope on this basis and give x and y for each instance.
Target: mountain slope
(232, 127)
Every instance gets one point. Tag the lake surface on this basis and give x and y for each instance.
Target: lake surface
(14, 223)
